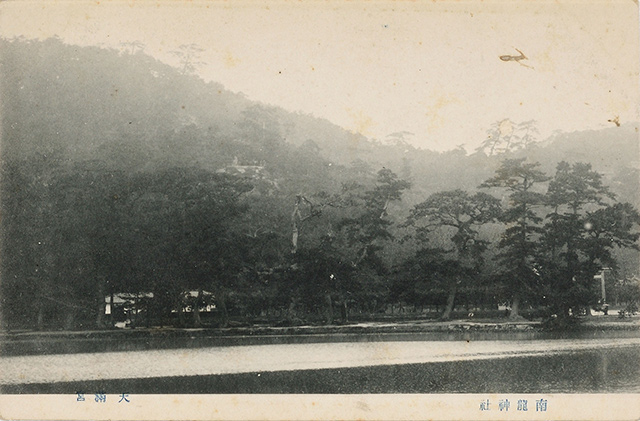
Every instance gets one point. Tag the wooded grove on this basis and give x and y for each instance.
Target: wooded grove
(122, 176)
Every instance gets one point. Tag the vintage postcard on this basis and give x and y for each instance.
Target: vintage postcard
(319, 210)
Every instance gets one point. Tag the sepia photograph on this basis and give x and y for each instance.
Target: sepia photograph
(321, 198)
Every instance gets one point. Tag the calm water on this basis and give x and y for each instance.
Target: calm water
(615, 371)
(608, 370)
(130, 341)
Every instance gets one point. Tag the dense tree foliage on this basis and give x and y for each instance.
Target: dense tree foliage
(519, 243)
(582, 228)
(461, 214)
(121, 176)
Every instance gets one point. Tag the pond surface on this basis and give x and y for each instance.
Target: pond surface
(533, 366)
(121, 341)
(613, 371)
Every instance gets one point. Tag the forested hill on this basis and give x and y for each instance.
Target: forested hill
(121, 174)
(89, 102)
(132, 111)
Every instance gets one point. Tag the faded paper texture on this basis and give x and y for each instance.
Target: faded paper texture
(319, 210)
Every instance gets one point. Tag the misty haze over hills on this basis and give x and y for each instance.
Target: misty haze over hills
(74, 119)
(87, 101)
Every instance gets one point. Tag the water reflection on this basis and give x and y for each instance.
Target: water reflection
(183, 339)
(613, 370)
(602, 371)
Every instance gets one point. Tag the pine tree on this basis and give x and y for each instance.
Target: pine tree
(581, 230)
(519, 245)
(462, 214)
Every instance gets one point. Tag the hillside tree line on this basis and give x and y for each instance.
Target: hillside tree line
(121, 175)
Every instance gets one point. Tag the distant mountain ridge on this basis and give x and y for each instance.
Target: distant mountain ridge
(95, 103)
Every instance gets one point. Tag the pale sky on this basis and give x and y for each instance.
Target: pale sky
(378, 67)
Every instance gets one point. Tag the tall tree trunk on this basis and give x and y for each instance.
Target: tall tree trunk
(102, 305)
(149, 306)
(180, 310)
(222, 302)
(292, 311)
(329, 315)
(515, 308)
(197, 321)
(4, 323)
(69, 319)
(344, 310)
(450, 300)
(295, 218)
(112, 321)
(40, 317)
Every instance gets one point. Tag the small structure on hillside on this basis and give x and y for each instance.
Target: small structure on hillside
(254, 171)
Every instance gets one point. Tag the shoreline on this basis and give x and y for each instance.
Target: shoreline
(139, 339)
(390, 326)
